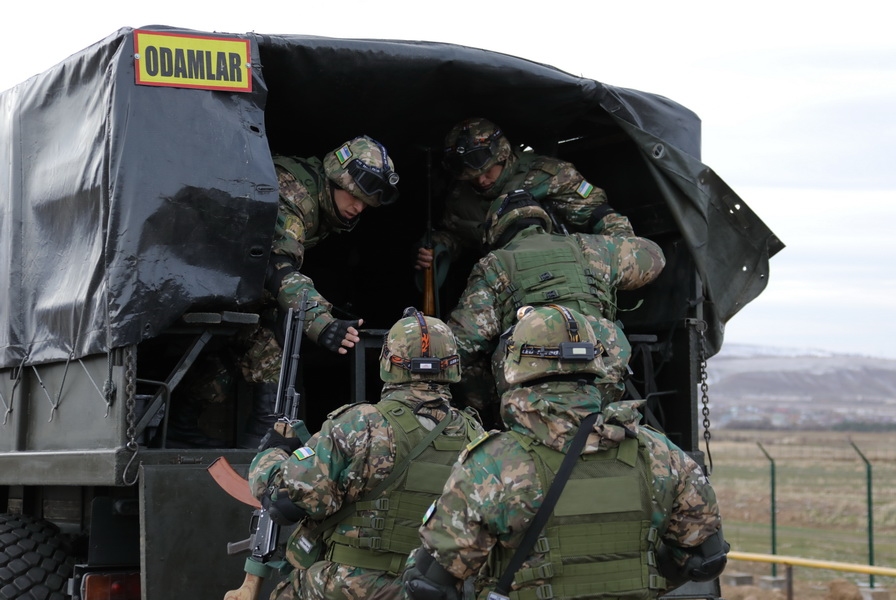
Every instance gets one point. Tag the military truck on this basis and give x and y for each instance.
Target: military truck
(137, 207)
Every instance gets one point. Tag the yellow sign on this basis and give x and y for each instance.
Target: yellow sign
(192, 61)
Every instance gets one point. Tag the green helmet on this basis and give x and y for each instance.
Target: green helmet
(474, 146)
(419, 348)
(555, 340)
(362, 168)
(510, 213)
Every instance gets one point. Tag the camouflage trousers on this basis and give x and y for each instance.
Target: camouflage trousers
(261, 362)
(326, 580)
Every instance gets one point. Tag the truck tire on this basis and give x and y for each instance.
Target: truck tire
(35, 563)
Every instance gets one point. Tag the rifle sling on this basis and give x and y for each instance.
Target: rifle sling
(397, 471)
(547, 507)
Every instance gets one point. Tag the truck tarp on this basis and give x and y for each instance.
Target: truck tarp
(122, 206)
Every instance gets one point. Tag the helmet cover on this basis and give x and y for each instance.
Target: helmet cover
(474, 146)
(556, 340)
(363, 168)
(510, 213)
(419, 348)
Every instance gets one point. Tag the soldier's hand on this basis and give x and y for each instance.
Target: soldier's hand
(424, 259)
(340, 335)
(274, 439)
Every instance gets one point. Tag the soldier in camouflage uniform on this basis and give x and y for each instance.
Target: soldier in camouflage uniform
(528, 265)
(484, 166)
(353, 481)
(317, 198)
(636, 518)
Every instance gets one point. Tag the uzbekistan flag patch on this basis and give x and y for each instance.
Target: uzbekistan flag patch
(429, 511)
(343, 154)
(584, 189)
(303, 453)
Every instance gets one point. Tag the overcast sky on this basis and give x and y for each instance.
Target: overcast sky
(798, 105)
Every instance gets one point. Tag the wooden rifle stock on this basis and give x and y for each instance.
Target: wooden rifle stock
(429, 292)
(250, 589)
(429, 274)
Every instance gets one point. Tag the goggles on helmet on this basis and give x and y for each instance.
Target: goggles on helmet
(470, 152)
(374, 180)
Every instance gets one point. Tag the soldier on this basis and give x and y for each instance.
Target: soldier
(528, 265)
(366, 478)
(317, 198)
(636, 518)
(484, 166)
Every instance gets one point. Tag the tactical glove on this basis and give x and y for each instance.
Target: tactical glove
(273, 439)
(333, 334)
(282, 510)
(426, 579)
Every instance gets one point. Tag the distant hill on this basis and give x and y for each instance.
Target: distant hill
(752, 386)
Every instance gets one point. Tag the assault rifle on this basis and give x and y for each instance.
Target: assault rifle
(265, 532)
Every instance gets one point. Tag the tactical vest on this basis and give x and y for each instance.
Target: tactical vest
(309, 172)
(551, 269)
(388, 526)
(599, 541)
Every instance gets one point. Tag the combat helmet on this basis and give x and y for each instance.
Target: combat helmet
(510, 213)
(555, 340)
(473, 146)
(419, 348)
(362, 168)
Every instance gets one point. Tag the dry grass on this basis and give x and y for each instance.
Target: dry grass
(821, 500)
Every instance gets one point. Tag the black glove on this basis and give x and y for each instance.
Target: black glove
(282, 511)
(428, 580)
(272, 439)
(333, 334)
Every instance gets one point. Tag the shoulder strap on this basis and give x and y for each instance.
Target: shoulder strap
(547, 507)
(397, 471)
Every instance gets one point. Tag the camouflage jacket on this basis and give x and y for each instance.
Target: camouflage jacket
(494, 492)
(557, 184)
(305, 216)
(625, 263)
(353, 452)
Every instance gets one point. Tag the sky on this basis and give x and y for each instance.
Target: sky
(797, 102)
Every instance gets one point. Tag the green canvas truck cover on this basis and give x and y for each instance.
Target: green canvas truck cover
(124, 204)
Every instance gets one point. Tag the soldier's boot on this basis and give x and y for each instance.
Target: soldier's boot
(261, 416)
(183, 425)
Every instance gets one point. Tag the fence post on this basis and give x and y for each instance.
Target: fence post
(870, 512)
(774, 511)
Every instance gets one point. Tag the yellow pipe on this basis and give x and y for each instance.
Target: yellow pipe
(817, 564)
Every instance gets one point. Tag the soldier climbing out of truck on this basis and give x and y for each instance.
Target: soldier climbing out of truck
(317, 198)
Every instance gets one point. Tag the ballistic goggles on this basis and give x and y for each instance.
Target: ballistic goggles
(375, 181)
(470, 152)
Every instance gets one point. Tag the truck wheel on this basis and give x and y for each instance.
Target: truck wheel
(34, 559)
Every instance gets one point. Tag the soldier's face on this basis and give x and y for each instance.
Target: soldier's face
(485, 181)
(348, 206)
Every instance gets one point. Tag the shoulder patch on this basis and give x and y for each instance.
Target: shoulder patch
(303, 453)
(429, 512)
(584, 190)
